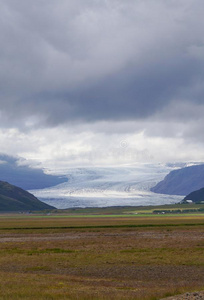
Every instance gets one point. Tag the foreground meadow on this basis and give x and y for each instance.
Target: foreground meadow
(100, 257)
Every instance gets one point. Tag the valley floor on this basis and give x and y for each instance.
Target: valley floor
(47, 257)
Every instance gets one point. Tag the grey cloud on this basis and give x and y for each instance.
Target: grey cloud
(123, 96)
(88, 61)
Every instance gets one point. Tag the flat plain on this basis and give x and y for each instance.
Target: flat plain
(115, 253)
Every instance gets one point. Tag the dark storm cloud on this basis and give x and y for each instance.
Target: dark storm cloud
(89, 61)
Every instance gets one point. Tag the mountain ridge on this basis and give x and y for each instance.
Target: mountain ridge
(181, 181)
(13, 198)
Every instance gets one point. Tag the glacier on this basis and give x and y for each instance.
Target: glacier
(108, 186)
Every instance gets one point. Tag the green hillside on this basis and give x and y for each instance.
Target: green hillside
(196, 196)
(13, 198)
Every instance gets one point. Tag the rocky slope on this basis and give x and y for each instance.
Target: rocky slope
(182, 181)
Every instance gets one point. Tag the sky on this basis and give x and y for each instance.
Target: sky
(102, 82)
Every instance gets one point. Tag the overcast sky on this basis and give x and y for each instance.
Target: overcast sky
(102, 82)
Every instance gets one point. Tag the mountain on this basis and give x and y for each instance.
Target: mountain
(13, 198)
(24, 176)
(196, 196)
(182, 181)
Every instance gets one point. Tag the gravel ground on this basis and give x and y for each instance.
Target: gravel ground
(187, 296)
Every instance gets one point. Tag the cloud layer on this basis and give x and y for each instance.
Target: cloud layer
(137, 65)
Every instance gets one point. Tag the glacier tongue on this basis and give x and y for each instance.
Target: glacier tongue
(110, 186)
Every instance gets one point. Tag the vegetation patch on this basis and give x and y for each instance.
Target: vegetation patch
(38, 268)
(100, 258)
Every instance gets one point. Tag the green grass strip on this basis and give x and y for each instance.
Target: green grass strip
(103, 226)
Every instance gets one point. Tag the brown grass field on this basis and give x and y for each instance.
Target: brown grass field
(100, 257)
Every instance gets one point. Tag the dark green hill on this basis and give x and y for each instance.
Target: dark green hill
(13, 198)
(196, 196)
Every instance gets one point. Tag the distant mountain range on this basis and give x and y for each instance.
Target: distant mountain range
(13, 198)
(182, 181)
(25, 176)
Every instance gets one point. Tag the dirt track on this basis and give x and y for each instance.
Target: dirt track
(182, 235)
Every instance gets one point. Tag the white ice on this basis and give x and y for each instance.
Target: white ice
(112, 186)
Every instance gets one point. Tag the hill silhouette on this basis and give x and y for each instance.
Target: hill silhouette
(13, 198)
(196, 196)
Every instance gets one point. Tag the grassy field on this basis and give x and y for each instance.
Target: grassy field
(124, 253)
